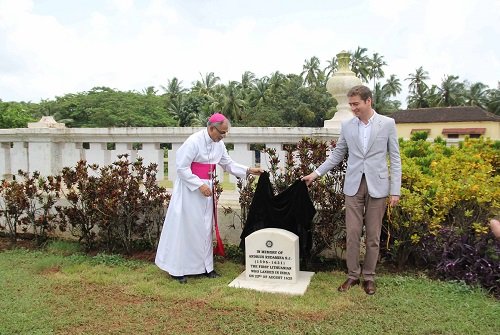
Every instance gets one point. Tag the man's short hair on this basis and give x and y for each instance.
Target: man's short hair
(362, 91)
(218, 123)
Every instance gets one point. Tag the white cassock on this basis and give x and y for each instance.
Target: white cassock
(185, 245)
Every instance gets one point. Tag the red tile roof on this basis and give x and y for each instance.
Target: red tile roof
(444, 114)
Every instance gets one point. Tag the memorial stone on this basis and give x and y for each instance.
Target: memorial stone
(272, 263)
(272, 255)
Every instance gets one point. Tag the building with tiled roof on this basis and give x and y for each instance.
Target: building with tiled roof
(448, 122)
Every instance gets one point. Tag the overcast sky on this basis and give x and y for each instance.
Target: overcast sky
(52, 47)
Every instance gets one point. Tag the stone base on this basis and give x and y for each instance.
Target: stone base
(298, 288)
(333, 124)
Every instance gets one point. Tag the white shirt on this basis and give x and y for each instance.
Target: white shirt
(364, 131)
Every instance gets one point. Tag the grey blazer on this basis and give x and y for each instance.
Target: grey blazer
(383, 144)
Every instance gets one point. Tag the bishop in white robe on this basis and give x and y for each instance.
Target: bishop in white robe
(185, 246)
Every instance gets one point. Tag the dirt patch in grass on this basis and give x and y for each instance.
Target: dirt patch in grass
(6, 243)
(50, 270)
(86, 303)
(83, 305)
(146, 255)
(127, 313)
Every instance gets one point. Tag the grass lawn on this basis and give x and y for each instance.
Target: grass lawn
(61, 291)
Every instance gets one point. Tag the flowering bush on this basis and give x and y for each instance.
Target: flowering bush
(448, 196)
(472, 257)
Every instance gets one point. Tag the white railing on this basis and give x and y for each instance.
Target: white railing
(48, 150)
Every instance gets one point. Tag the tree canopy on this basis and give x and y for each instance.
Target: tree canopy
(275, 100)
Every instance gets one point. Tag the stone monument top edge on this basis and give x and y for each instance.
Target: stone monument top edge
(47, 121)
(276, 231)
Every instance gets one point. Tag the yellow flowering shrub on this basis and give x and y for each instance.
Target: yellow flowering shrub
(442, 187)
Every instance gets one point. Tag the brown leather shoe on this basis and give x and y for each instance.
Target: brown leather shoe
(369, 287)
(348, 284)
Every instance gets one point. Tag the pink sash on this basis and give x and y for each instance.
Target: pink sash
(205, 171)
(202, 170)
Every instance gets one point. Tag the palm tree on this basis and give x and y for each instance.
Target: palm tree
(476, 95)
(232, 103)
(184, 116)
(277, 81)
(493, 99)
(247, 80)
(258, 93)
(150, 90)
(375, 67)
(311, 71)
(360, 63)
(381, 97)
(382, 94)
(451, 92)
(174, 88)
(433, 96)
(417, 83)
(214, 103)
(331, 67)
(322, 78)
(392, 86)
(207, 84)
(418, 97)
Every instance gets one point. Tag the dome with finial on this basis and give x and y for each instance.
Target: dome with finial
(338, 85)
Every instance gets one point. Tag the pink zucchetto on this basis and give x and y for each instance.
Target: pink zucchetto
(217, 117)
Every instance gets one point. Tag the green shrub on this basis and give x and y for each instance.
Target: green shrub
(328, 229)
(442, 187)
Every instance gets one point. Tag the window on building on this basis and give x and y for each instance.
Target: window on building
(471, 132)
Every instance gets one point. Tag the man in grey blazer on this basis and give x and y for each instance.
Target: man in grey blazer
(370, 140)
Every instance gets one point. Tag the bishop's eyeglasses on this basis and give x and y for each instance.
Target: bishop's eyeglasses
(220, 131)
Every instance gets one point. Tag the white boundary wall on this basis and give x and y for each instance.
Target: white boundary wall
(48, 150)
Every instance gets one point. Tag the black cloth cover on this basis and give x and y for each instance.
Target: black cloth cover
(291, 210)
